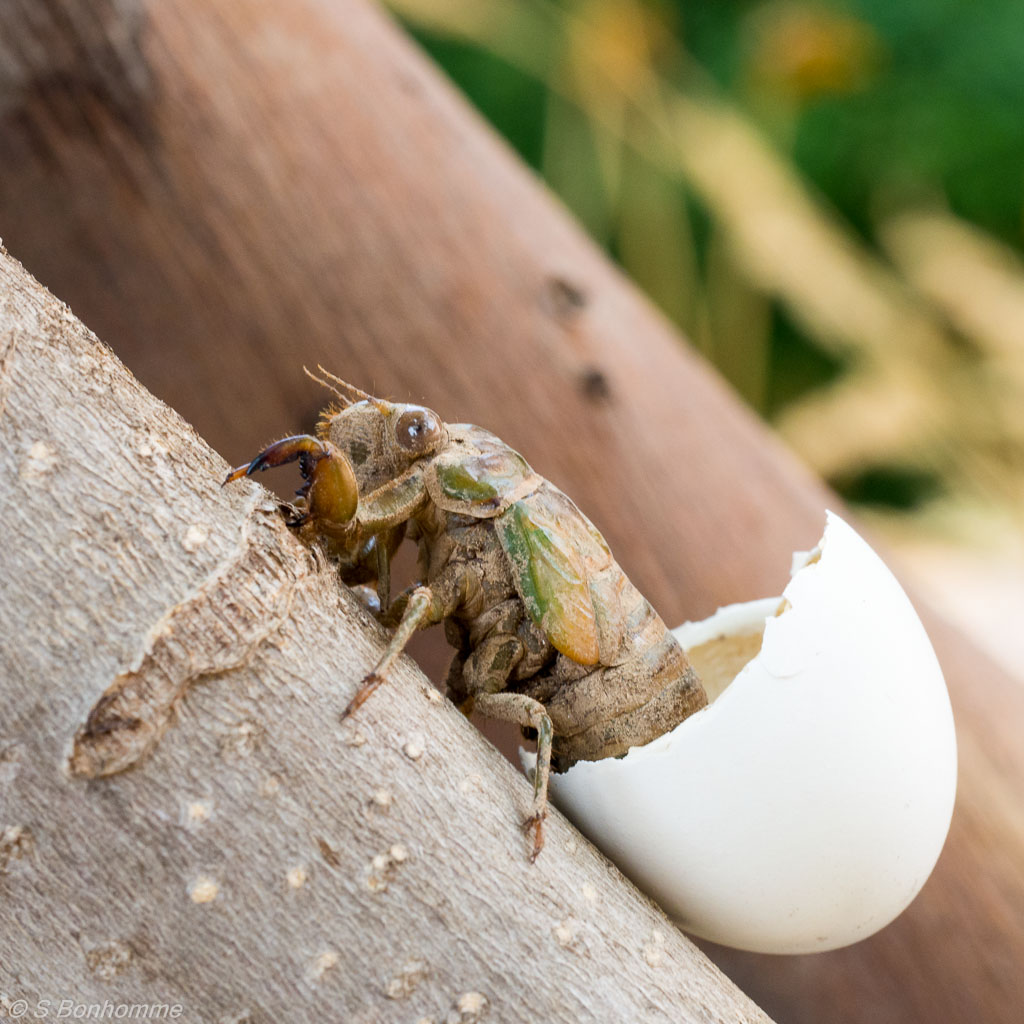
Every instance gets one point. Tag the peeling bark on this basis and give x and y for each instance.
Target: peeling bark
(217, 628)
(262, 862)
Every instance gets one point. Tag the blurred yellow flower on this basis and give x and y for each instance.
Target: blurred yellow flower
(621, 37)
(805, 50)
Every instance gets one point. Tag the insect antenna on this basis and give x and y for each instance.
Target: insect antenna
(357, 394)
(348, 396)
(345, 399)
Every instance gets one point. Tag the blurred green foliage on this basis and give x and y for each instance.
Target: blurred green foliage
(876, 104)
(937, 109)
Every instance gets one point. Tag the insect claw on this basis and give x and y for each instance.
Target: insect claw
(276, 454)
(236, 474)
(369, 684)
(535, 823)
(330, 485)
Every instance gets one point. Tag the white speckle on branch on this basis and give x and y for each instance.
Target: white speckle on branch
(41, 459)
(203, 890)
(414, 746)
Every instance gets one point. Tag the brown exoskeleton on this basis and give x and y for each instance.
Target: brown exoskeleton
(549, 633)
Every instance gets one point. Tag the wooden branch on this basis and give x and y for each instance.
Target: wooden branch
(293, 184)
(258, 861)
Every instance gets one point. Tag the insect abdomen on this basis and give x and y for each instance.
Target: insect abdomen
(642, 696)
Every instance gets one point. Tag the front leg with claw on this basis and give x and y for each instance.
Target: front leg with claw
(330, 488)
(364, 530)
(330, 503)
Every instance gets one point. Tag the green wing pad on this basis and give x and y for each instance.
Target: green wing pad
(478, 475)
(468, 482)
(564, 572)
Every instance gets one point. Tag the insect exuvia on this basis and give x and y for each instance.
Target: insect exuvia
(548, 631)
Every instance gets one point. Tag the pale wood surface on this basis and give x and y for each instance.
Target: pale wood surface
(293, 184)
(262, 863)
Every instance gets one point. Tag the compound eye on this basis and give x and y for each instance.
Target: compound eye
(417, 430)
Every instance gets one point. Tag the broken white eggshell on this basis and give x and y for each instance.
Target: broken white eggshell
(805, 806)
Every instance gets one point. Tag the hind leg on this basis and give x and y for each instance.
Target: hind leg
(530, 714)
(485, 674)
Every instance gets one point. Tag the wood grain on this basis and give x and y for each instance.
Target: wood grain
(295, 184)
